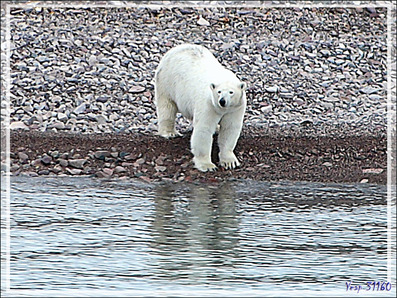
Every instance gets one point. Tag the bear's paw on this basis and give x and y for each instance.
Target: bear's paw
(229, 162)
(204, 166)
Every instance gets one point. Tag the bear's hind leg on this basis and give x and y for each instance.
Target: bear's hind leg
(166, 113)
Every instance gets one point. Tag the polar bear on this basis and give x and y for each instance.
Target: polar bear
(190, 80)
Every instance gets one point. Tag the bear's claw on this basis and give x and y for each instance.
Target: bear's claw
(170, 135)
(228, 165)
(205, 166)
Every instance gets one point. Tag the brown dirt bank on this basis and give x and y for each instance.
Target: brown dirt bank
(345, 159)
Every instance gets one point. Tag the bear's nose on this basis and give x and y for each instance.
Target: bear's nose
(222, 102)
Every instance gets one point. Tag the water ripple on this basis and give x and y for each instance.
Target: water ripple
(90, 234)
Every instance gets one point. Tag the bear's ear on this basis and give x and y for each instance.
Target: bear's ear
(212, 85)
(243, 86)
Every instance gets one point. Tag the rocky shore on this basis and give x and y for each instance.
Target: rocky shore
(81, 99)
(351, 159)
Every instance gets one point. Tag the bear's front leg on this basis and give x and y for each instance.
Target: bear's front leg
(230, 128)
(201, 144)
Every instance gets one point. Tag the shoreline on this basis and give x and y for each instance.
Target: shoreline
(333, 159)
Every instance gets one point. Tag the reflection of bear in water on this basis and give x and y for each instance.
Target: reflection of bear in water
(195, 228)
(191, 81)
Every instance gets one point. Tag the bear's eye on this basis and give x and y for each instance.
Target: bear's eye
(219, 91)
(231, 92)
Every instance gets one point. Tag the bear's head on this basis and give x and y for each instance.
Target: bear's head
(228, 95)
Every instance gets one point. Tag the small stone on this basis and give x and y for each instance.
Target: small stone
(101, 154)
(160, 168)
(136, 89)
(18, 125)
(57, 169)
(74, 171)
(119, 169)
(108, 171)
(373, 171)
(325, 53)
(23, 156)
(339, 61)
(267, 109)
(43, 172)
(364, 180)
(375, 97)
(287, 95)
(101, 119)
(45, 159)
(54, 154)
(42, 59)
(13, 168)
(123, 154)
(63, 162)
(57, 125)
(325, 84)
(128, 156)
(272, 89)
(92, 60)
(227, 46)
(327, 105)
(36, 163)
(62, 117)
(369, 90)
(102, 98)
(203, 22)
(77, 163)
(299, 101)
(104, 173)
(80, 109)
(146, 178)
(140, 161)
(160, 160)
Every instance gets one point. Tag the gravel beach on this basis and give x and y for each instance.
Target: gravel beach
(82, 83)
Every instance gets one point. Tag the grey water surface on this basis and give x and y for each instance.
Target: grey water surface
(84, 234)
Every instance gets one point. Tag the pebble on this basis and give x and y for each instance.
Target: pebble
(101, 154)
(43, 172)
(136, 89)
(80, 109)
(272, 89)
(18, 125)
(108, 171)
(23, 156)
(140, 161)
(62, 117)
(77, 163)
(45, 159)
(203, 22)
(375, 97)
(160, 168)
(119, 169)
(287, 95)
(267, 109)
(74, 171)
(369, 90)
(57, 125)
(373, 171)
(63, 162)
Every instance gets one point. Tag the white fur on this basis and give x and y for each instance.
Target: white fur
(190, 80)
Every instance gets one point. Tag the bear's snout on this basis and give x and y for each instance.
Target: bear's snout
(222, 102)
